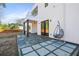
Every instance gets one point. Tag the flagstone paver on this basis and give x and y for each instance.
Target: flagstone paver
(42, 46)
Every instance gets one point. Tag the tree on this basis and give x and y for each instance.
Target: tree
(20, 21)
(13, 26)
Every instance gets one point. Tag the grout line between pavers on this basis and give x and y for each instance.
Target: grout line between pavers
(49, 44)
(36, 51)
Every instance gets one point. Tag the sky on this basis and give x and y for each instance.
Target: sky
(15, 11)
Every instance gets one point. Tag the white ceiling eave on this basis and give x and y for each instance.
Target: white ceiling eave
(33, 18)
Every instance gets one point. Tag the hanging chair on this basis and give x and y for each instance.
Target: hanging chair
(58, 32)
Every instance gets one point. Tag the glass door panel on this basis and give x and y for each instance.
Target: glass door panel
(45, 27)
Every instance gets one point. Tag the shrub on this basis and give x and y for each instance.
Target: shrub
(9, 26)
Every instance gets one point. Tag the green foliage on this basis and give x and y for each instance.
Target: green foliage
(9, 26)
(3, 26)
(13, 26)
(35, 11)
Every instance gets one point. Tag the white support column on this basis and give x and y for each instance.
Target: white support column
(39, 27)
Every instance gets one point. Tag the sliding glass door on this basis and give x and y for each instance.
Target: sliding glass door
(45, 27)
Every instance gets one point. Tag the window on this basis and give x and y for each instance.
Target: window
(46, 4)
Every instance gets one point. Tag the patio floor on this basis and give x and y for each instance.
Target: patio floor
(36, 45)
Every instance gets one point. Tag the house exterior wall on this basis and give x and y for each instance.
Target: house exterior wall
(72, 23)
(53, 12)
(39, 27)
(30, 24)
(67, 14)
(34, 27)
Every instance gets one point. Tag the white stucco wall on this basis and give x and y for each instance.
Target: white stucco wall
(30, 24)
(56, 13)
(32, 29)
(67, 14)
(39, 27)
(52, 13)
(72, 23)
